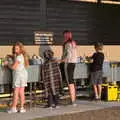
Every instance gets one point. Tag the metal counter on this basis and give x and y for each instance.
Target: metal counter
(81, 72)
(33, 74)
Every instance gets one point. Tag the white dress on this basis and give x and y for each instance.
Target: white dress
(20, 75)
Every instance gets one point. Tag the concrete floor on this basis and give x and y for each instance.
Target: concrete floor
(39, 112)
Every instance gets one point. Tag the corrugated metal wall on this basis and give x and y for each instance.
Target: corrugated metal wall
(107, 24)
(18, 20)
(89, 22)
(74, 16)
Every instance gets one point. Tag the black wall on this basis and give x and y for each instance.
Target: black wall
(89, 22)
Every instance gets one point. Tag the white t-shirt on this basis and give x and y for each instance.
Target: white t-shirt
(20, 59)
(70, 53)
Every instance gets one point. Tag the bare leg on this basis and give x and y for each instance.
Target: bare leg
(15, 97)
(22, 96)
(95, 91)
(72, 92)
(99, 91)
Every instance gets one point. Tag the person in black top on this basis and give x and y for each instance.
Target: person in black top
(96, 70)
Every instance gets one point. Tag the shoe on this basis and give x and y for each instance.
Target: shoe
(12, 110)
(97, 99)
(57, 107)
(74, 104)
(22, 110)
(48, 107)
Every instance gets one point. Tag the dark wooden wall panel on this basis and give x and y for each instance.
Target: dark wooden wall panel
(89, 22)
(74, 16)
(107, 24)
(18, 20)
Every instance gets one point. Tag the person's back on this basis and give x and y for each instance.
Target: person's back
(70, 52)
(98, 59)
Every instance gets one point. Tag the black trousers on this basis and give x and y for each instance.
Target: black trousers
(62, 71)
(69, 72)
(53, 99)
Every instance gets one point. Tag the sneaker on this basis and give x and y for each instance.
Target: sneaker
(74, 104)
(99, 99)
(22, 110)
(12, 110)
(48, 107)
(57, 107)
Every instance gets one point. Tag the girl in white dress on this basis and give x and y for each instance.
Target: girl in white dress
(20, 76)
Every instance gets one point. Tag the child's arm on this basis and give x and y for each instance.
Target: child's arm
(67, 53)
(90, 58)
(14, 65)
(17, 61)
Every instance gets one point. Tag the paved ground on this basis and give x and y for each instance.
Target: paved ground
(39, 112)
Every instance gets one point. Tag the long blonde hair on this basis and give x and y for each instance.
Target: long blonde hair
(22, 51)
